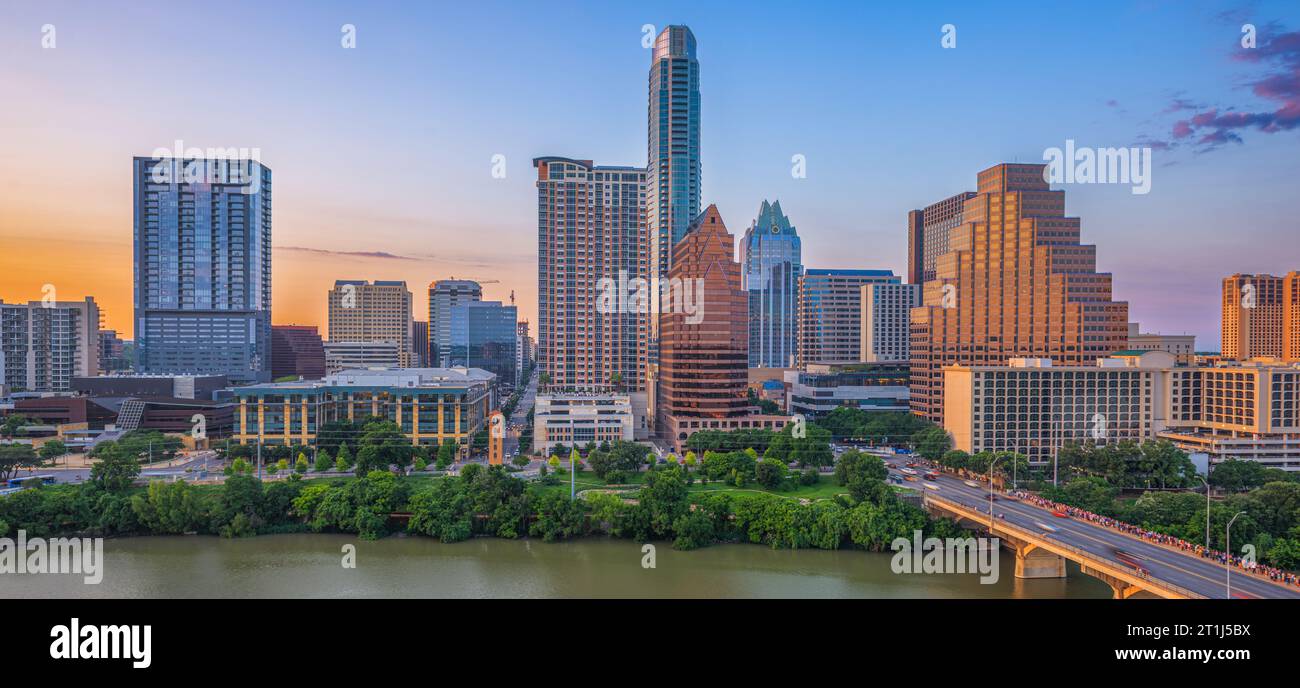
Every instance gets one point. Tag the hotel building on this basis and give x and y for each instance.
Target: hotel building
(830, 314)
(770, 269)
(592, 275)
(430, 405)
(886, 321)
(202, 267)
(1248, 410)
(1261, 317)
(362, 312)
(1015, 282)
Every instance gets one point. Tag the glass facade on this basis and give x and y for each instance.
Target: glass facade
(203, 267)
(771, 268)
(483, 336)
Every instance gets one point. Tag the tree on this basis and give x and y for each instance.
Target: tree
(116, 469)
(863, 474)
(14, 457)
(323, 461)
(769, 473)
(1236, 475)
(344, 460)
(13, 424)
(932, 442)
(300, 466)
(53, 449)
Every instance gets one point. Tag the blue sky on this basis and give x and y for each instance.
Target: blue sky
(387, 147)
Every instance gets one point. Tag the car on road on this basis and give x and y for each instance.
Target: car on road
(971, 483)
(909, 471)
(910, 478)
(1130, 560)
(1059, 514)
(932, 475)
(930, 486)
(1045, 527)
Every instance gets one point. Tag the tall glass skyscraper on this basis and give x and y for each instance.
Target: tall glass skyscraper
(203, 267)
(770, 268)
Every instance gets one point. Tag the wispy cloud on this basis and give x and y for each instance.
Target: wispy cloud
(381, 255)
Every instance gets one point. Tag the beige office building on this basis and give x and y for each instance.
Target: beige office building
(371, 313)
(1015, 282)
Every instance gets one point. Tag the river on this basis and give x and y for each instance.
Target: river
(273, 566)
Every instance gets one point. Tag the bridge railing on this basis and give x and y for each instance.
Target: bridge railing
(1078, 553)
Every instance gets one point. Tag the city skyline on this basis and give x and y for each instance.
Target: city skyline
(852, 213)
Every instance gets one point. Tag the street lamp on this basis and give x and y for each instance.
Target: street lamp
(1227, 562)
(993, 462)
(1207, 511)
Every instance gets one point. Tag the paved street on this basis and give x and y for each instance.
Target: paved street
(1203, 576)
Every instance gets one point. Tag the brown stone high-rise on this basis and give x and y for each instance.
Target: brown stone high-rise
(1261, 316)
(703, 355)
(1015, 282)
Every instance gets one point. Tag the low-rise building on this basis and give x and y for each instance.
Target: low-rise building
(576, 419)
(823, 388)
(429, 405)
(340, 356)
(1182, 346)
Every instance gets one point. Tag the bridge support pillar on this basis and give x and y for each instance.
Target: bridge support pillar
(1032, 562)
(1120, 590)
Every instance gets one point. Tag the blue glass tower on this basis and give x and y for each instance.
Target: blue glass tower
(202, 231)
(483, 336)
(771, 263)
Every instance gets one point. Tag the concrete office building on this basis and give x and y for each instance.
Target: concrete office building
(830, 313)
(202, 260)
(593, 283)
(44, 345)
(886, 321)
(340, 356)
(576, 419)
(363, 312)
(1014, 283)
(297, 351)
(1182, 346)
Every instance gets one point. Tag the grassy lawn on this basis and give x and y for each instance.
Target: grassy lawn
(586, 480)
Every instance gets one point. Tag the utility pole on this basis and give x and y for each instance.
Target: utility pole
(1227, 561)
(259, 459)
(1207, 511)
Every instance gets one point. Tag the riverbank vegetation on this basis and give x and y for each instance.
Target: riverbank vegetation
(666, 502)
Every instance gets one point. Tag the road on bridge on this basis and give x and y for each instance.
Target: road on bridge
(1187, 570)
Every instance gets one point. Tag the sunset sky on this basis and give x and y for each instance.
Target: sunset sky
(382, 154)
